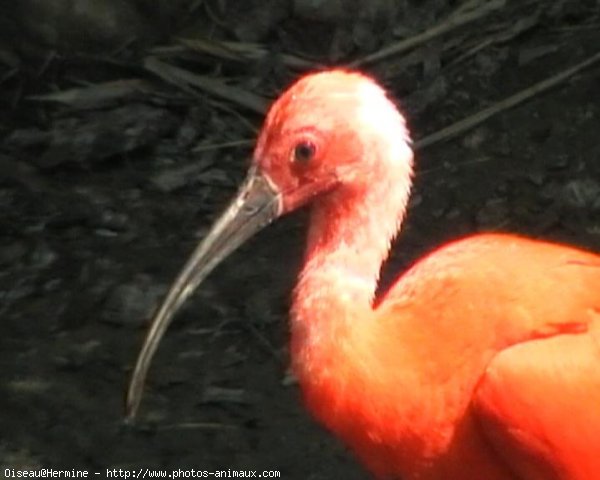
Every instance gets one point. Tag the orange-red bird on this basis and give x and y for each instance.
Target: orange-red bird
(482, 362)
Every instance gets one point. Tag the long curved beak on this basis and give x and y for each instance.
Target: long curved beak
(257, 203)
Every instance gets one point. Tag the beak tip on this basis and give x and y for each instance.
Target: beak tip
(132, 401)
(131, 409)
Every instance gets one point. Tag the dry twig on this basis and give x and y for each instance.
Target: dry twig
(468, 123)
(457, 19)
(240, 51)
(184, 79)
(97, 95)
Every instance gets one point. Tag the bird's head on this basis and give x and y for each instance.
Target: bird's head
(333, 131)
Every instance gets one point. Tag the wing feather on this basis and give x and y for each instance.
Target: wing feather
(539, 406)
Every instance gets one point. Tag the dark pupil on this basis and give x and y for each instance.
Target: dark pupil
(304, 152)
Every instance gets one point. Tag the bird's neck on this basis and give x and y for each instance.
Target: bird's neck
(348, 240)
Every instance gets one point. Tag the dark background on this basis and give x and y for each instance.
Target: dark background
(113, 165)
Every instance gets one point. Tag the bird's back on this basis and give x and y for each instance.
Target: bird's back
(495, 342)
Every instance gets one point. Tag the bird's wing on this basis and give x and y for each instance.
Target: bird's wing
(539, 406)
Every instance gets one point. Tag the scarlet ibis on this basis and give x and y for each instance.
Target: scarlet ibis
(482, 362)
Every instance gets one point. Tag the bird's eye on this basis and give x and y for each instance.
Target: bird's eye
(304, 152)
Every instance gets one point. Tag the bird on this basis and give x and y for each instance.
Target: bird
(481, 361)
